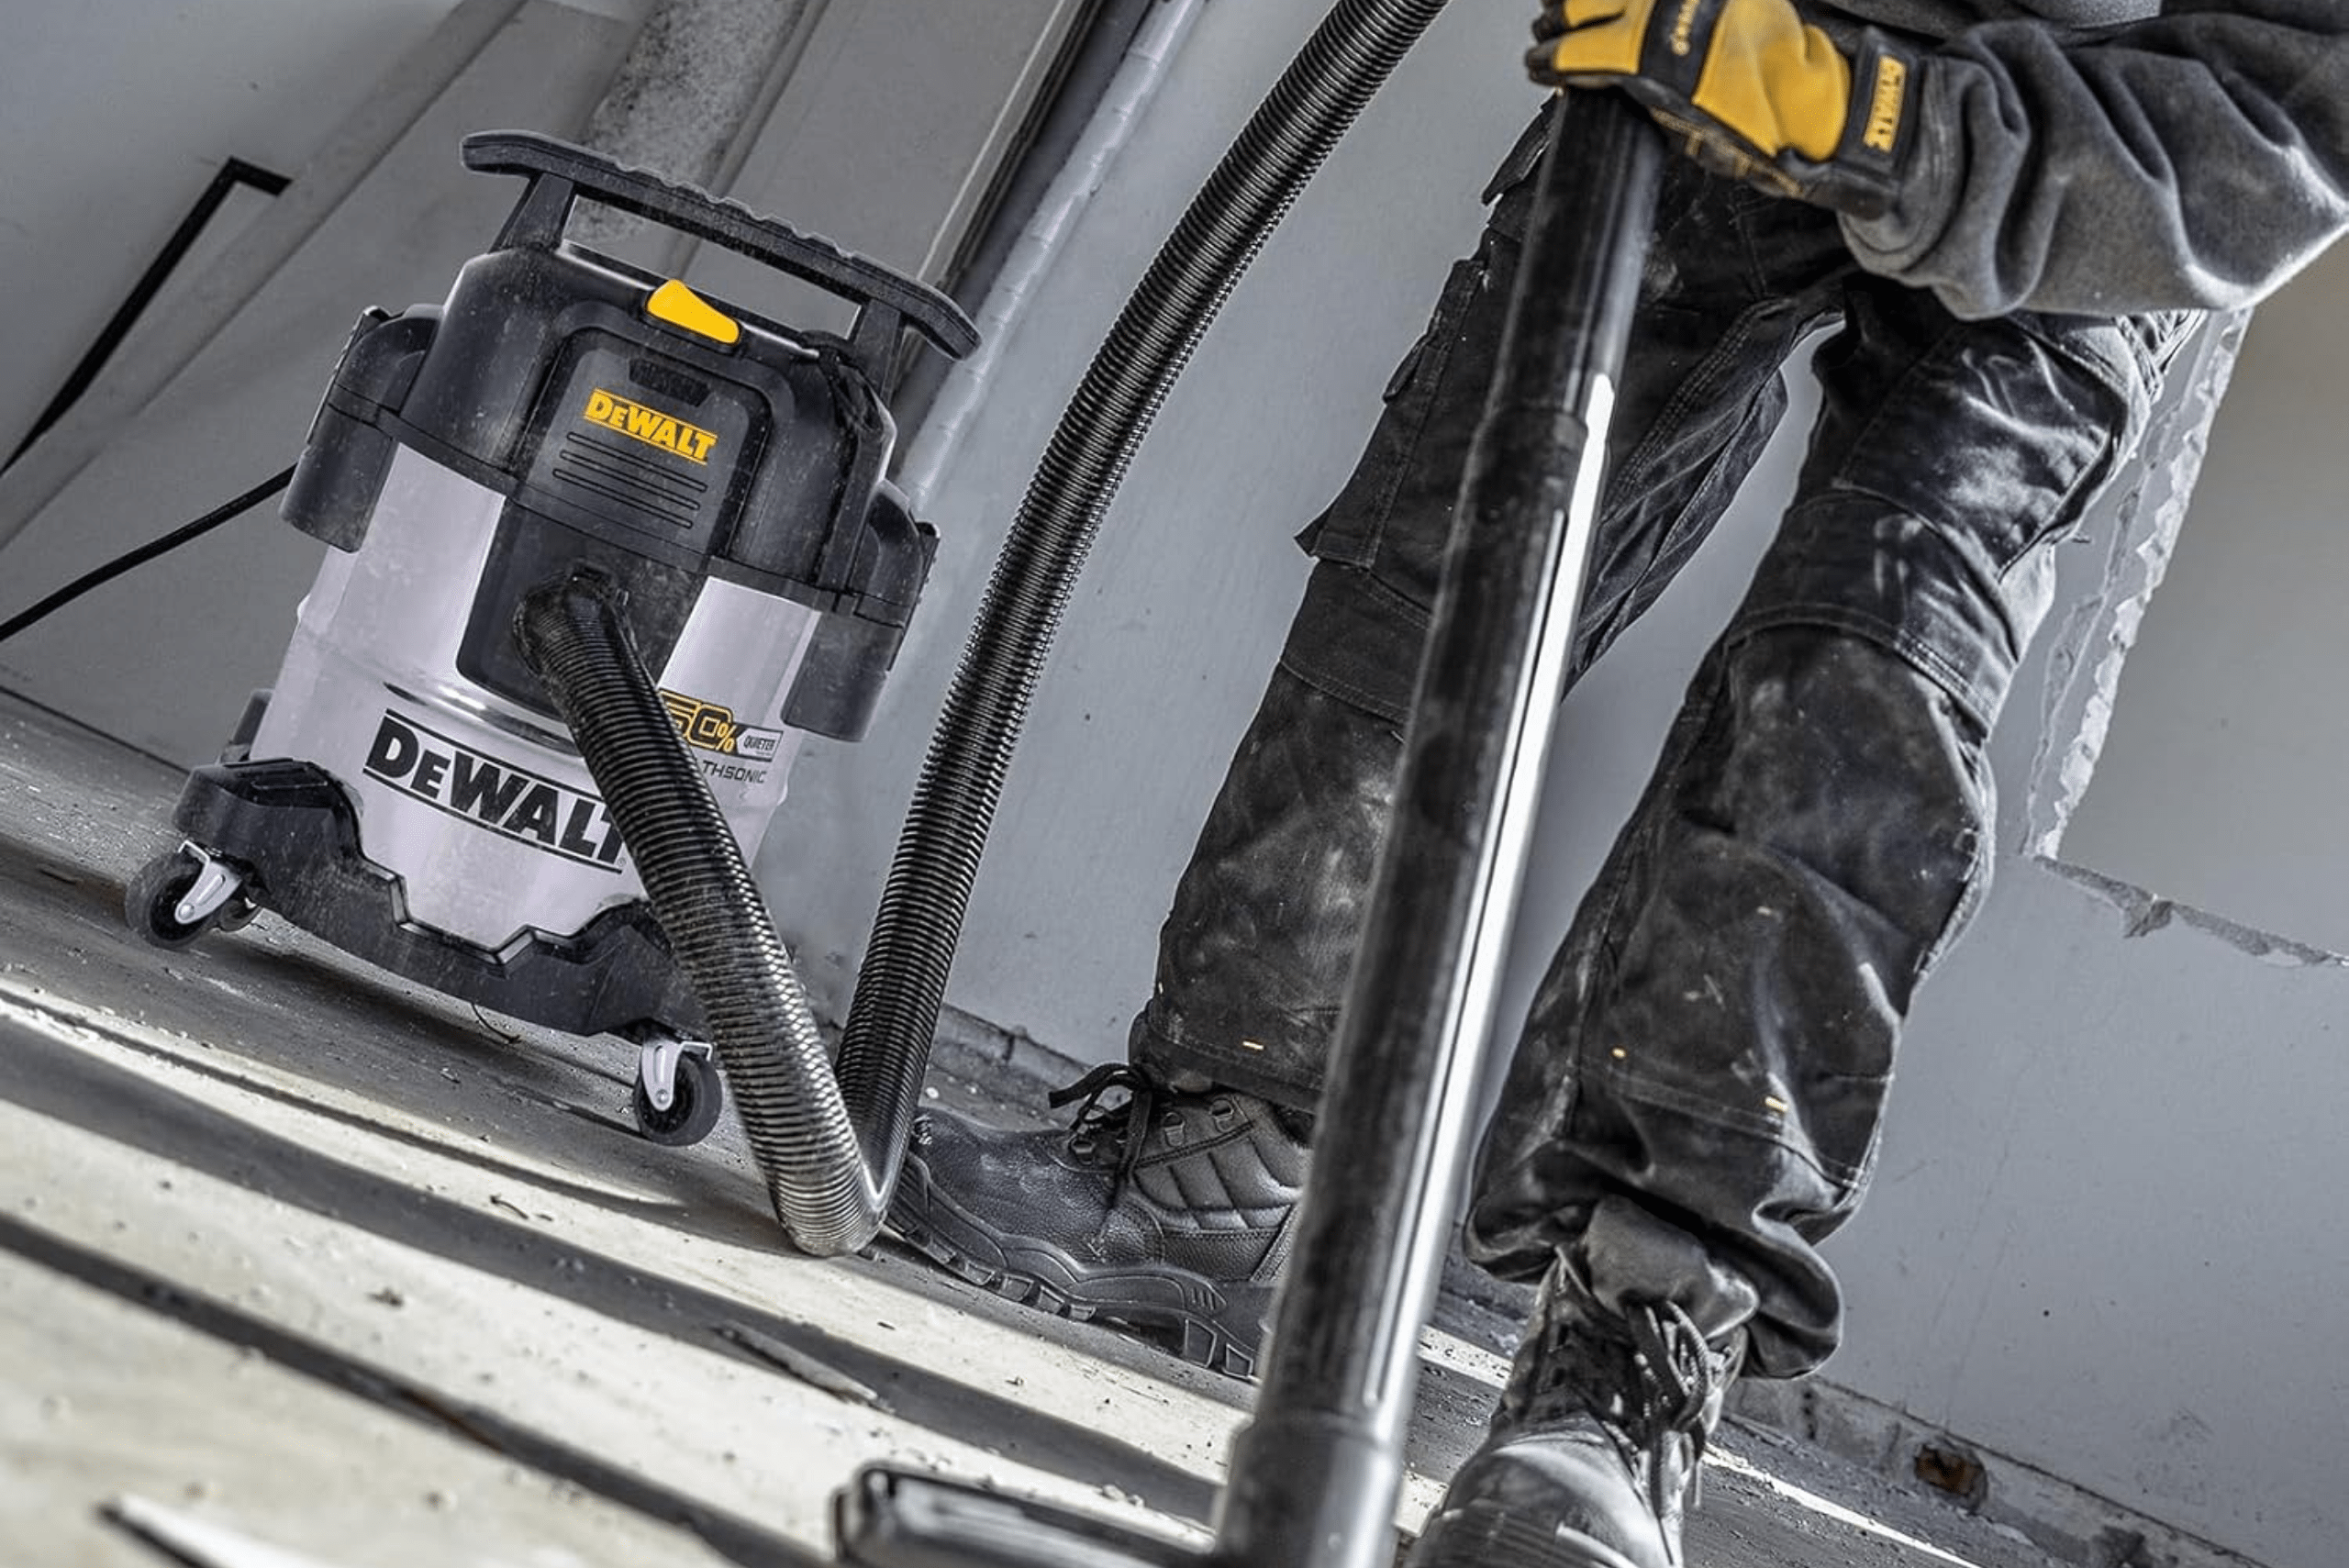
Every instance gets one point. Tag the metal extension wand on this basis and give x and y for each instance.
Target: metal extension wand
(1314, 1474)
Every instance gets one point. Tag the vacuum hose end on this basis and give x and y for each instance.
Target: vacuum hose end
(573, 632)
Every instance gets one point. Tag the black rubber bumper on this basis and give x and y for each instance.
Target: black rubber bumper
(291, 825)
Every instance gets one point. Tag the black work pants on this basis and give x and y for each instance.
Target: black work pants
(1700, 1088)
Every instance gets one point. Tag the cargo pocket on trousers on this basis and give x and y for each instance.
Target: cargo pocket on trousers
(1349, 530)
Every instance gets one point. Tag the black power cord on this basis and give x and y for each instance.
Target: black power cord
(144, 553)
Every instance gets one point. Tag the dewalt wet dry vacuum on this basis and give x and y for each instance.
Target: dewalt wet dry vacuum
(407, 788)
(605, 550)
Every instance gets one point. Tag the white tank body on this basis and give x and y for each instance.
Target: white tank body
(483, 808)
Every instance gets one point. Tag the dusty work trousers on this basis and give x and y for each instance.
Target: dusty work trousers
(1696, 1100)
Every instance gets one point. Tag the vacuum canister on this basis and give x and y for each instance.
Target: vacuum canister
(404, 788)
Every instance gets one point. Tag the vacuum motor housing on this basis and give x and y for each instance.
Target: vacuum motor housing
(406, 788)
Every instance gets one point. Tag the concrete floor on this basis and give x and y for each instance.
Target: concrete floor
(302, 1265)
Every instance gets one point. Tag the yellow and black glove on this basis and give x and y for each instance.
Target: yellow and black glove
(1749, 87)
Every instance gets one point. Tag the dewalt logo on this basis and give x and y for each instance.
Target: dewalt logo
(639, 422)
(1683, 29)
(491, 793)
(1884, 110)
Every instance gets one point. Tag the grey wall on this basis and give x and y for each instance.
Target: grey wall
(2220, 781)
(113, 114)
(213, 392)
(869, 154)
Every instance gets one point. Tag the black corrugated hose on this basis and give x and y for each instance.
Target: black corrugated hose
(573, 633)
(829, 1191)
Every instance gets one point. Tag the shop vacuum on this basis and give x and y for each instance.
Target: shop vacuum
(406, 789)
(605, 550)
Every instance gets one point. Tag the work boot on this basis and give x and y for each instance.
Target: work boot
(1593, 1457)
(1166, 1209)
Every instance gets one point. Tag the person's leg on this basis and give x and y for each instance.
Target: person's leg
(1696, 1100)
(1174, 1209)
(1257, 948)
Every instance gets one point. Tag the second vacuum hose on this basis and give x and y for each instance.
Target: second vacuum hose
(903, 981)
(830, 1149)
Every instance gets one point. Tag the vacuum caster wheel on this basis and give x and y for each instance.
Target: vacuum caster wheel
(694, 1092)
(177, 897)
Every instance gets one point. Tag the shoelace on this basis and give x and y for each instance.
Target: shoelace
(1096, 1122)
(1677, 1383)
(1658, 1391)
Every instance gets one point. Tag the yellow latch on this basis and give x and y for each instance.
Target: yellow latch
(674, 303)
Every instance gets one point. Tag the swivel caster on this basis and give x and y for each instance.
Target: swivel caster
(177, 897)
(678, 1093)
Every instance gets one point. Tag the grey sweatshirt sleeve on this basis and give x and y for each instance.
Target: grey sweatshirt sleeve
(2198, 158)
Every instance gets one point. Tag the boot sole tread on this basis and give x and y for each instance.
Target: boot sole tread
(1149, 1297)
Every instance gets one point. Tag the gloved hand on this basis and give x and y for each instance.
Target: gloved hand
(1752, 89)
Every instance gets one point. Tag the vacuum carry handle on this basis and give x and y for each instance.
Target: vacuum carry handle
(559, 171)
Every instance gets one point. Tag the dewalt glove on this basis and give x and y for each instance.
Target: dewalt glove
(1749, 88)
